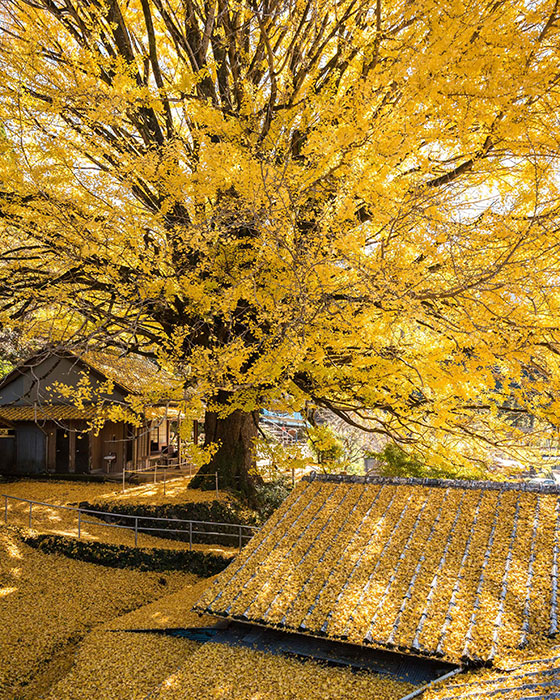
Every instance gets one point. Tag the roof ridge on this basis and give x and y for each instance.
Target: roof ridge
(435, 483)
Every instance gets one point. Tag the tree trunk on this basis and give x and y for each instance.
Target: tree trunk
(235, 457)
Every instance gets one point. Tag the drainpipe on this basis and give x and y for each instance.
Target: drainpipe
(422, 690)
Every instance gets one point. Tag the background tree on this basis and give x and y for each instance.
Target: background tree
(292, 200)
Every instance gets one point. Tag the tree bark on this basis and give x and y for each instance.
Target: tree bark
(234, 460)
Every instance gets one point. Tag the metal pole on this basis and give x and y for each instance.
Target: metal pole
(217, 485)
(30, 509)
(5, 508)
(240, 538)
(190, 534)
(293, 477)
(79, 524)
(179, 451)
(164, 481)
(123, 479)
(136, 532)
(155, 473)
(422, 689)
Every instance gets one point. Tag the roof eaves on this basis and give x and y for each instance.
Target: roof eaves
(435, 483)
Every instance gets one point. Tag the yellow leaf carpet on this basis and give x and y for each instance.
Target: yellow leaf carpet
(65, 522)
(48, 600)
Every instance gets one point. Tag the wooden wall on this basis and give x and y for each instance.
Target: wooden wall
(69, 447)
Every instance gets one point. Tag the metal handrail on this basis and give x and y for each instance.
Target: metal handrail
(164, 467)
(88, 511)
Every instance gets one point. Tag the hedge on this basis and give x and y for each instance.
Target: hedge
(211, 511)
(123, 557)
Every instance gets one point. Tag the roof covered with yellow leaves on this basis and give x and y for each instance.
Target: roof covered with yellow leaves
(61, 385)
(135, 373)
(458, 570)
(54, 412)
(535, 677)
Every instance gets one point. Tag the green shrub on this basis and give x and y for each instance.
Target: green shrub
(270, 496)
(395, 461)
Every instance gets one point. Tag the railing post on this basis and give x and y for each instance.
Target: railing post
(123, 479)
(30, 511)
(155, 473)
(79, 523)
(217, 485)
(136, 532)
(240, 538)
(5, 508)
(190, 535)
(293, 477)
(164, 481)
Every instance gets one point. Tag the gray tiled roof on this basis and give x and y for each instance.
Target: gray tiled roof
(458, 570)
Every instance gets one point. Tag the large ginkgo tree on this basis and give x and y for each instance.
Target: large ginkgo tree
(346, 204)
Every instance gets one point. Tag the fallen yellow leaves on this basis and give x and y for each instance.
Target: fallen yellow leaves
(50, 599)
(120, 666)
(170, 611)
(115, 664)
(219, 672)
(65, 522)
(58, 492)
(74, 492)
(533, 673)
(176, 491)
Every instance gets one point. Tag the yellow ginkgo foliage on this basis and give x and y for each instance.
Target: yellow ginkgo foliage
(344, 203)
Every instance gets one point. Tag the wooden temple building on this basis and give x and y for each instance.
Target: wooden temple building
(63, 413)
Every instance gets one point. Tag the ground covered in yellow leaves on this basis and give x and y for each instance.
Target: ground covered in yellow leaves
(48, 602)
(120, 666)
(58, 492)
(74, 492)
(113, 663)
(175, 491)
(220, 672)
(65, 522)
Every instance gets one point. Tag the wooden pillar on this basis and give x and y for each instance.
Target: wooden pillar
(167, 427)
(179, 455)
(135, 449)
(71, 447)
(195, 429)
(50, 440)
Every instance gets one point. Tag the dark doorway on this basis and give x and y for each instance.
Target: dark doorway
(82, 453)
(7, 449)
(30, 448)
(62, 461)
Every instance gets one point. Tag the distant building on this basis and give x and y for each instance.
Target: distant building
(286, 428)
(44, 428)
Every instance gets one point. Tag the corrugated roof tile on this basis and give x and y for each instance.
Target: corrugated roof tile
(442, 569)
